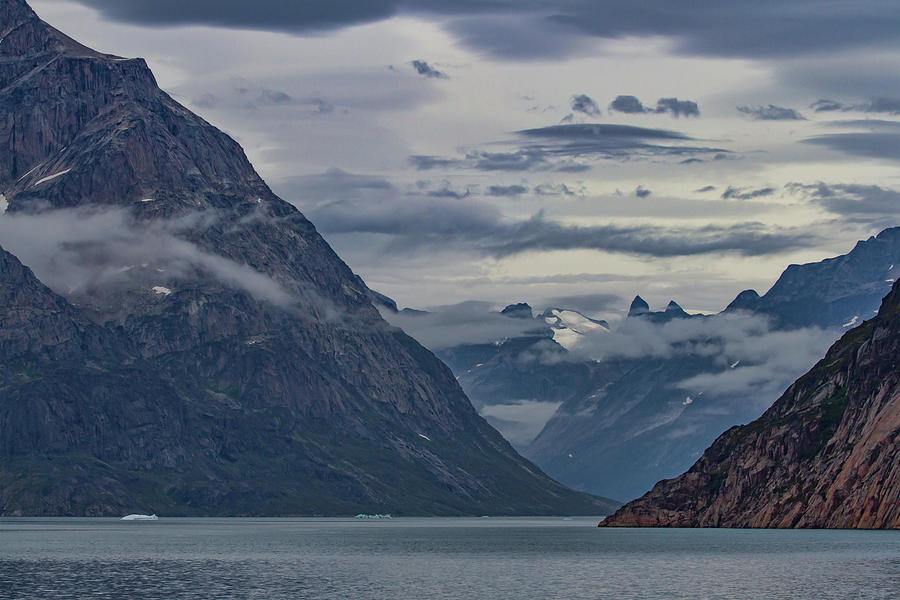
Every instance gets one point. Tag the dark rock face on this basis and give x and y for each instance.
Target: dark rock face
(824, 455)
(638, 307)
(252, 375)
(520, 311)
(835, 292)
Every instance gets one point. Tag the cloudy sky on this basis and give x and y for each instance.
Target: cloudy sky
(505, 151)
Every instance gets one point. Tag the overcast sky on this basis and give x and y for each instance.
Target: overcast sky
(508, 151)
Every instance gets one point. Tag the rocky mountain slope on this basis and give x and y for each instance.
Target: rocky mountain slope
(200, 348)
(826, 454)
(625, 422)
(836, 292)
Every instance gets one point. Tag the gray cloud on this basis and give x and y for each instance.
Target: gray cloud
(268, 97)
(557, 189)
(530, 29)
(334, 185)
(738, 193)
(585, 104)
(771, 113)
(867, 124)
(854, 202)
(85, 251)
(445, 190)
(825, 105)
(467, 226)
(205, 100)
(673, 106)
(677, 108)
(465, 323)
(423, 68)
(749, 359)
(628, 105)
(507, 190)
(880, 104)
(868, 145)
(521, 422)
(588, 304)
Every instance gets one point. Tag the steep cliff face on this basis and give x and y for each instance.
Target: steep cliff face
(218, 357)
(825, 455)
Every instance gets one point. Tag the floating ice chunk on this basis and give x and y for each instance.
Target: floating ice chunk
(50, 178)
(687, 401)
(139, 518)
(851, 322)
(162, 291)
(735, 365)
(424, 437)
(148, 199)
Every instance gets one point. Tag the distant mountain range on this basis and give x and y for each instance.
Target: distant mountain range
(183, 342)
(825, 455)
(617, 425)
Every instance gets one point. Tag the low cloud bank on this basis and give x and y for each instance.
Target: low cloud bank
(84, 250)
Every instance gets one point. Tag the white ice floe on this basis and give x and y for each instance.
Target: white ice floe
(851, 322)
(148, 199)
(735, 365)
(50, 178)
(162, 291)
(140, 518)
(424, 437)
(688, 401)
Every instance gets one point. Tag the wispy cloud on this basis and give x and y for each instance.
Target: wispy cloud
(89, 250)
(771, 113)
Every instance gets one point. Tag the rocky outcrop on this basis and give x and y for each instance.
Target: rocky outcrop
(826, 454)
(227, 361)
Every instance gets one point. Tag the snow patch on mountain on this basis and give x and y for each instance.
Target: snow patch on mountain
(570, 326)
(49, 178)
(852, 322)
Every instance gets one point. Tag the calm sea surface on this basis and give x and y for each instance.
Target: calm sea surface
(430, 559)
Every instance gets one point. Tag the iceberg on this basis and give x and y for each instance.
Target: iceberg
(139, 518)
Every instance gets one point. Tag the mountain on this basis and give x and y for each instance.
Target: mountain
(825, 455)
(647, 424)
(192, 345)
(836, 292)
(518, 382)
(632, 423)
(624, 418)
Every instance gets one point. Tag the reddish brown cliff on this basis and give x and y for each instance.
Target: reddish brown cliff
(827, 454)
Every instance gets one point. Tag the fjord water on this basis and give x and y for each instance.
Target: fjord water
(435, 559)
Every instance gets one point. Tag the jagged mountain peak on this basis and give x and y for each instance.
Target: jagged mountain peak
(522, 310)
(638, 307)
(24, 34)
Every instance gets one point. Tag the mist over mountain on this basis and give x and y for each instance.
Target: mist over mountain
(823, 456)
(180, 340)
(613, 411)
